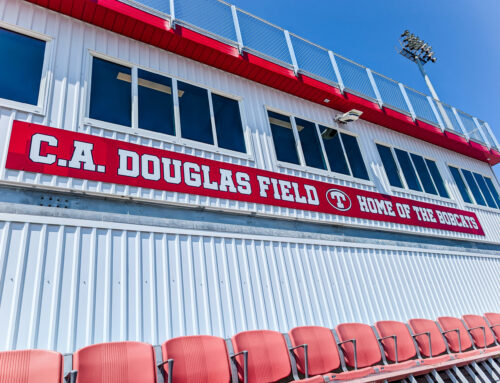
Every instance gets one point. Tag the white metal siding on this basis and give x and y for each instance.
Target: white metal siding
(67, 102)
(64, 286)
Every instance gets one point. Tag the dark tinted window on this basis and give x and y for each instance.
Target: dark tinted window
(424, 174)
(391, 169)
(493, 190)
(485, 190)
(284, 141)
(408, 170)
(228, 123)
(311, 146)
(194, 109)
(473, 187)
(156, 109)
(354, 156)
(438, 180)
(335, 153)
(110, 92)
(462, 187)
(20, 67)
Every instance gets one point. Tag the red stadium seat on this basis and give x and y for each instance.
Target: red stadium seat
(367, 349)
(268, 357)
(29, 366)
(406, 345)
(115, 363)
(429, 328)
(201, 358)
(456, 342)
(481, 333)
(322, 353)
(494, 323)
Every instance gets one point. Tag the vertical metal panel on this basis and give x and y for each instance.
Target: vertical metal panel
(64, 287)
(67, 103)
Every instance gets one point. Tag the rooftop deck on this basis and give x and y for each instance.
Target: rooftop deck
(219, 34)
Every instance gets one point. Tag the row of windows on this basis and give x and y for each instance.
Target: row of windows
(214, 119)
(301, 142)
(203, 116)
(417, 173)
(475, 188)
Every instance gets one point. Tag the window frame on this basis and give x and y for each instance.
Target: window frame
(302, 167)
(47, 72)
(406, 189)
(474, 204)
(176, 139)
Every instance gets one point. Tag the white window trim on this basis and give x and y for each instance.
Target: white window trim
(302, 167)
(172, 139)
(47, 73)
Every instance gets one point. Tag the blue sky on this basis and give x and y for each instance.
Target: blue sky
(465, 35)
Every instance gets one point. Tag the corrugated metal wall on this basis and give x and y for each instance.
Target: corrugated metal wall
(64, 286)
(67, 103)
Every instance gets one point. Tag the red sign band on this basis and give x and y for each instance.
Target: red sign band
(41, 149)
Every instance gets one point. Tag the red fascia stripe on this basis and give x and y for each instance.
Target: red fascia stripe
(129, 21)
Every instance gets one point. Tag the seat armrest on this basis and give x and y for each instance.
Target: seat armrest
(353, 341)
(304, 346)
(429, 337)
(395, 338)
(71, 376)
(459, 341)
(170, 363)
(484, 332)
(245, 363)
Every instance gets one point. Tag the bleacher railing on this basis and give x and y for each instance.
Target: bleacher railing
(225, 22)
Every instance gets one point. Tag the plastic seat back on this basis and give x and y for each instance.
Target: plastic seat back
(200, 358)
(118, 362)
(478, 336)
(406, 346)
(27, 366)
(494, 320)
(268, 358)
(322, 352)
(367, 347)
(451, 323)
(438, 345)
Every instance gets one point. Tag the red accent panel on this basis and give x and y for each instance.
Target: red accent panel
(197, 358)
(41, 149)
(30, 366)
(115, 362)
(129, 21)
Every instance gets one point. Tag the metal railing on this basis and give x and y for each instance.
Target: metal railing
(225, 22)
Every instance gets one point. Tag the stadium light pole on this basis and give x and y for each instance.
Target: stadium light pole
(418, 51)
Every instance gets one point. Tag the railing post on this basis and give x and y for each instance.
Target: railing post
(407, 100)
(237, 29)
(459, 120)
(493, 137)
(336, 70)
(436, 114)
(172, 13)
(292, 52)
(480, 129)
(375, 87)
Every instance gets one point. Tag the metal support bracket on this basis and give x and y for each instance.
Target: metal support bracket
(375, 87)
(292, 52)
(337, 71)
(237, 29)
(408, 103)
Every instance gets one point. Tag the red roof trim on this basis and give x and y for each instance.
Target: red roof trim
(137, 24)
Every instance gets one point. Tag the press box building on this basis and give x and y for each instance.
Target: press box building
(176, 168)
